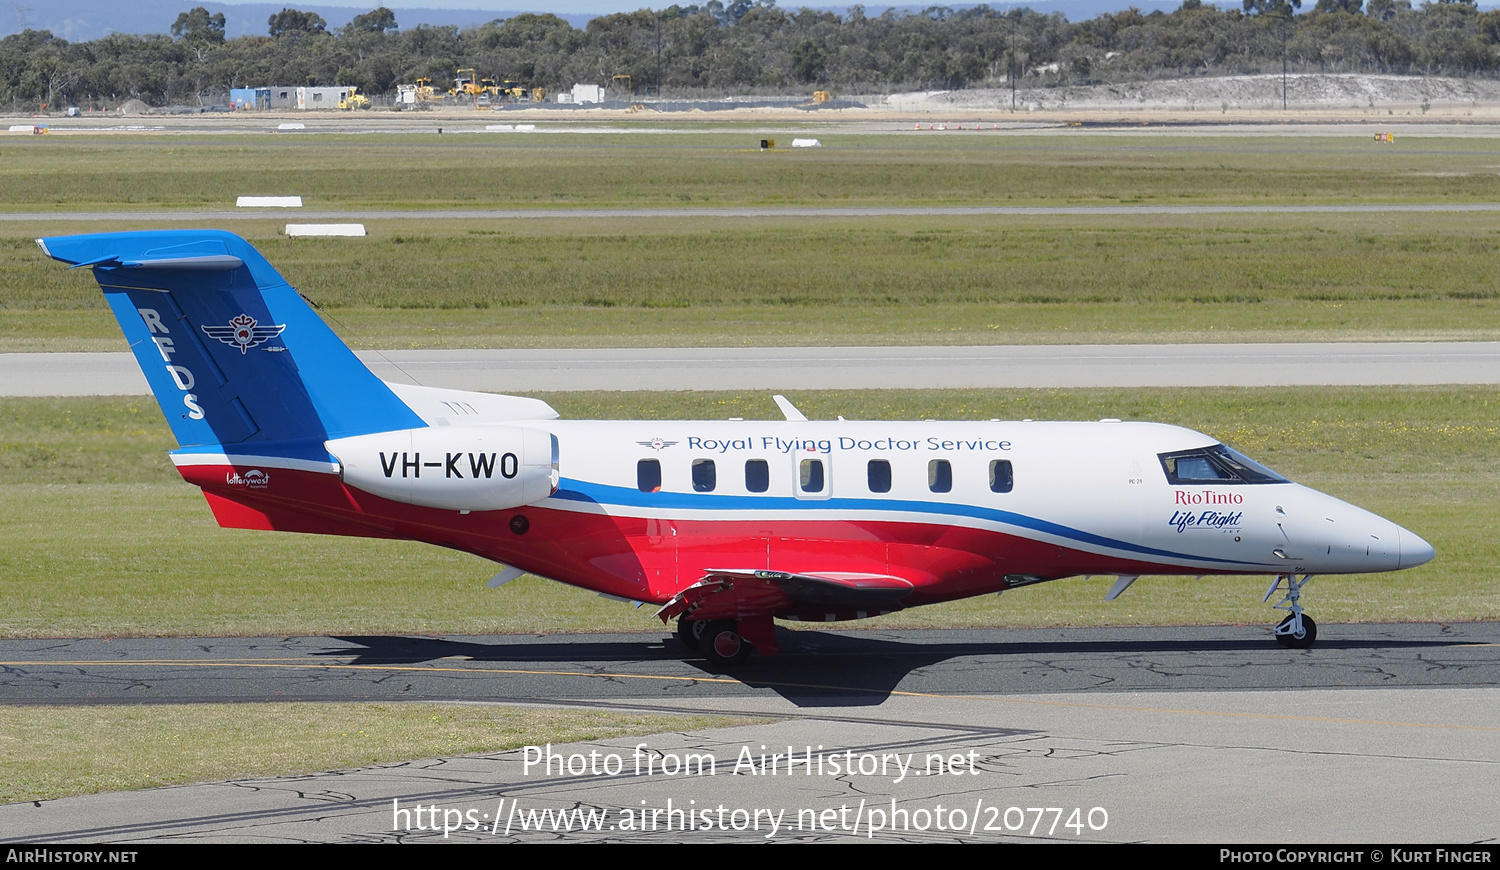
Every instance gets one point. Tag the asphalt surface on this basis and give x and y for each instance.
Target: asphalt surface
(1152, 734)
(73, 374)
(858, 668)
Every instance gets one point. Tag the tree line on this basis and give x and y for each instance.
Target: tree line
(752, 46)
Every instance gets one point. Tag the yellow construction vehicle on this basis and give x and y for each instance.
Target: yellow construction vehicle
(353, 99)
(419, 95)
(466, 84)
(822, 96)
(517, 93)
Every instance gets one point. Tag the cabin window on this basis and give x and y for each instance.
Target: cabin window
(880, 475)
(810, 476)
(757, 475)
(1001, 477)
(1216, 464)
(648, 475)
(940, 476)
(705, 478)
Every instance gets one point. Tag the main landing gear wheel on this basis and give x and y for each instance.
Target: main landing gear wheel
(1287, 636)
(690, 631)
(722, 644)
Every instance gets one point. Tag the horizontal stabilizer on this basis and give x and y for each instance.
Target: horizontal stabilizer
(207, 263)
(169, 249)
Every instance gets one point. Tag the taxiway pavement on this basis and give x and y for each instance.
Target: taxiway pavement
(807, 368)
(1172, 734)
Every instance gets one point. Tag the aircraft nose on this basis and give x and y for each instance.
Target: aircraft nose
(1414, 550)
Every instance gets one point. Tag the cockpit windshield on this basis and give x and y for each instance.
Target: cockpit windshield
(1216, 464)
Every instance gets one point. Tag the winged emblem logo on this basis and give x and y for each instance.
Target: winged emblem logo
(244, 332)
(656, 443)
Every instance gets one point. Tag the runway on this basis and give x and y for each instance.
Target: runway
(1162, 734)
(1041, 366)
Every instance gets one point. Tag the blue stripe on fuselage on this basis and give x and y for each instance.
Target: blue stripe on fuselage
(605, 495)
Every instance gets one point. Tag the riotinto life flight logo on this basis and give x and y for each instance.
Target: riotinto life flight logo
(244, 332)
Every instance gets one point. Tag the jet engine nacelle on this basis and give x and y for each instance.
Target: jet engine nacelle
(475, 469)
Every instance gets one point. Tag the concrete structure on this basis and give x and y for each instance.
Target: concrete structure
(295, 230)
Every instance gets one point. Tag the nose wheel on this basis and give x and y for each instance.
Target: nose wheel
(1297, 630)
(1289, 635)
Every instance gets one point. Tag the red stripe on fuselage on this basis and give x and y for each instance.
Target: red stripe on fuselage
(651, 559)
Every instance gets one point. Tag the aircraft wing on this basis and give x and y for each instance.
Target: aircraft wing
(831, 596)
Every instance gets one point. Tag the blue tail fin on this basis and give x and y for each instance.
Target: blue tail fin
(232, 352)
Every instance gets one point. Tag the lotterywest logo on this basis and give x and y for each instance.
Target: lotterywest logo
(254, 479)
(479, 465)
(244, 332)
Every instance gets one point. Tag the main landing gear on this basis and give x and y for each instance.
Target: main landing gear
(1297, 630)
(689, 631)
(719, 640)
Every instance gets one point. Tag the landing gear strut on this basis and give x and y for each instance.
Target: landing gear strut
(1296, 630)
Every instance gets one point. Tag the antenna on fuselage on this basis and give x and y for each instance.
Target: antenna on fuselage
(792, 414)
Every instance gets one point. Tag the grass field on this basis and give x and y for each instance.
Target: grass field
(113, 171)
(101, 538)
(945, 280)
(143, 746)
(1421, 457)
(153, 562)
(575, 281)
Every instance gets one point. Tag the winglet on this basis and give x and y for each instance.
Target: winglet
(792, 414)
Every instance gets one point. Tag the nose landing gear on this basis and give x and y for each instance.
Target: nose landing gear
(1296, 631)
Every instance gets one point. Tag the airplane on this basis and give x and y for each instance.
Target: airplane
(724, 525)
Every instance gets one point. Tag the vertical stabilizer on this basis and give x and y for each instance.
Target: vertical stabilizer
(231, 351)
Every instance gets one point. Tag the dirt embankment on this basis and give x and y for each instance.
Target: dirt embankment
(1347, 97)
(1375, 100)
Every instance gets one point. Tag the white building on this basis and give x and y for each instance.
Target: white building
(320, 98)
(588, 94)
